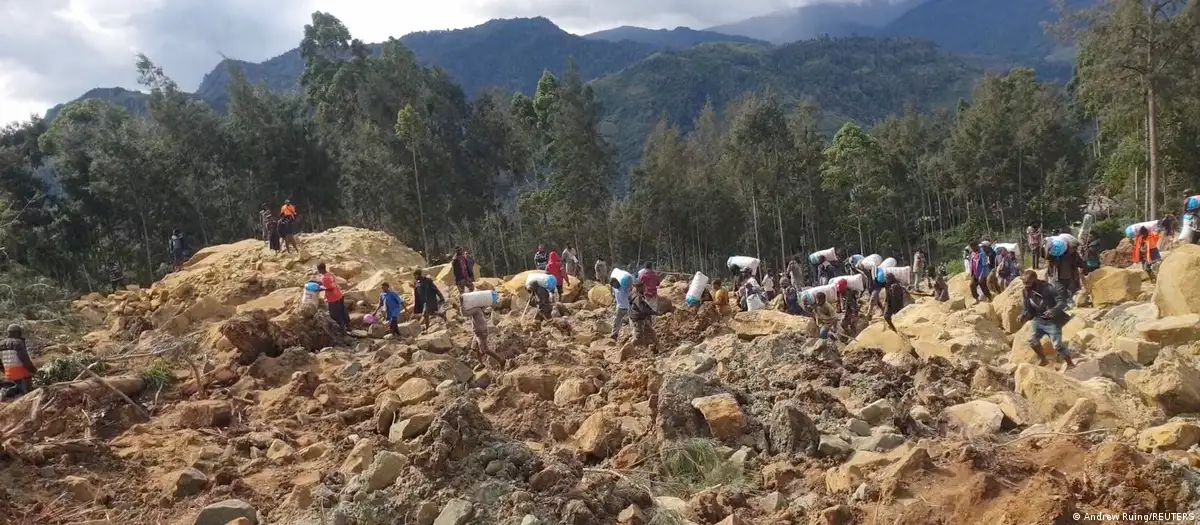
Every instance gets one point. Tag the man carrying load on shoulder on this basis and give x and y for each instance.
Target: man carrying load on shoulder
(1044, 306)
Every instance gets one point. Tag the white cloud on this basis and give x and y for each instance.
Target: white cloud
(52, 51)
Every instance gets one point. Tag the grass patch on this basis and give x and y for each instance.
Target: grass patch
(158, 375)
(62, 369)
(691, 466)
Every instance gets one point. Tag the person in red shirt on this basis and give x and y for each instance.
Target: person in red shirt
(554, 267)
(334, 298)
(650, 280)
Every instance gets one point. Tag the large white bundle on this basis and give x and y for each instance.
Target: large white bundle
(624, 278)
(808, 297)
(480, 299)
(903, 274)
(830, 255)
(743, 262)
(696, 288)
(1189, 225)
(870, 262)
(887, 263)
(1009, 246)
(544, 280)
(854, 282)
(1132, 229)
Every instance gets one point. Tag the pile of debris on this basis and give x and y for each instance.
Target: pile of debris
(742, 418)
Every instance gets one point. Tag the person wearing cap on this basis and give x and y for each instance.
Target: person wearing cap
(1045, 307)
(14, 359)
(463, 267)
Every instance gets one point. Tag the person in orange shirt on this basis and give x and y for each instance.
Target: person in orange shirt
(14, 360)
(1145, 250)
(334, 298)
(287, 226)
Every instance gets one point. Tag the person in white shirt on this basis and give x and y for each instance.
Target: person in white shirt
(769, 285)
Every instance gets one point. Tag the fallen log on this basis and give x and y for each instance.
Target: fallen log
(27, 409)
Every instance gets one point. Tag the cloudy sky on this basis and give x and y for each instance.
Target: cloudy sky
(52, 51)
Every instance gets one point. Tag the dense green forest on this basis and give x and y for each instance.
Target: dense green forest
(379, 141)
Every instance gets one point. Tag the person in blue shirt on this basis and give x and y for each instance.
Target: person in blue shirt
(393, 306)
(621, 300)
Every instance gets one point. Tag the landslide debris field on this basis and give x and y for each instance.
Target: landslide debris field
(224, 402)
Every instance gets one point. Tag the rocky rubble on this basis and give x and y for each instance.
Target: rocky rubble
(737, 419)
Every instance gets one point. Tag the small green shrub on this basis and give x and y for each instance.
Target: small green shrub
(66, 369)
(690, 466)
(158, 375)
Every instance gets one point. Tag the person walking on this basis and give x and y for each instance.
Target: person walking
(393, 306)
(918, 266)
(650, 281)
(428, 299)
(15, 362)
(980, 270)
(1145, 251)
(464, 276)
(1045, 307)
(601, 270)
(1033, 241)
(795, 271)
(334, 299)
(642, 312)
(621, 303)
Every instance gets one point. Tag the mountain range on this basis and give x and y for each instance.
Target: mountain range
(643, 74)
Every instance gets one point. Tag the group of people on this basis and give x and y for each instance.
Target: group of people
(280, 232)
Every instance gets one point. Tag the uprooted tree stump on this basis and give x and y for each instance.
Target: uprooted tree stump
(254, 334)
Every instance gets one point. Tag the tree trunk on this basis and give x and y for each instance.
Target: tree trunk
(420, 205)
(1152, 130)
(754, 205)
(782, 247)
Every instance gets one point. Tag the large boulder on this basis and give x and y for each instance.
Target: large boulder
(1009, 305)
(1172, 383)
(934, 329)
(1177, 290)
(1111, 286)
(1051, 394)
(975, 419)
(600, 295)
(879, 336)
(1174, 330)
(759, 323)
